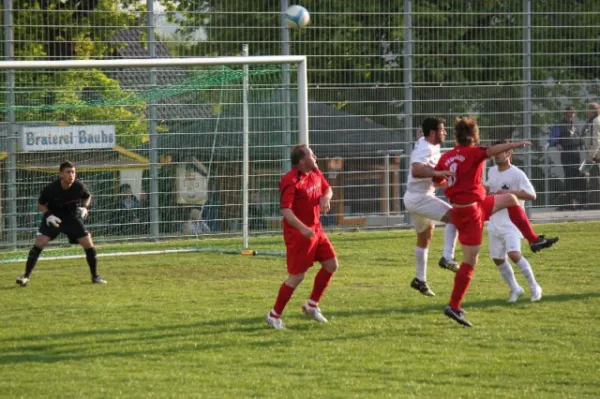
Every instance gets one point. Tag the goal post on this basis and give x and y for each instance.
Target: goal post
(45, 103)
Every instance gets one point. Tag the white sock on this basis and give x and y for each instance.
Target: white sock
(450, 235)
(507, 273)
(527, 272)
(421, 261)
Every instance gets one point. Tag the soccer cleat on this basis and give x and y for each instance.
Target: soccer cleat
(457, 315)
(314, 312)
(542, 243)
(422, 287)
(23, 281)
(449, 264)
(515, 295)
(536, 293)
(275, 322)
(98, 280)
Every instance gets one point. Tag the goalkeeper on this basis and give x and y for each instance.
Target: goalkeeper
(65, 203)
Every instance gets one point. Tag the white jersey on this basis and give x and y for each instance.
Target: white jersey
(428, 154)
(513, 179)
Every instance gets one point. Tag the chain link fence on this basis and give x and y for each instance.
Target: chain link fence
(376, 70)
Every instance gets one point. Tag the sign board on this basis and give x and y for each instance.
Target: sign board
(63, 138)
(192, 185)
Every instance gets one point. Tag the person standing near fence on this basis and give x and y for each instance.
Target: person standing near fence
(305, 194)
(64, 203)
(591, 136)
(569, 143)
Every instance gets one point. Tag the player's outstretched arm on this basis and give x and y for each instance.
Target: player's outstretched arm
(289, 216)
(500, 148)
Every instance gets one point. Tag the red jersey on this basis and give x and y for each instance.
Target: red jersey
(467, 164)
(301, 192)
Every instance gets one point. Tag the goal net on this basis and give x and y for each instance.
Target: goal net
(171, 149)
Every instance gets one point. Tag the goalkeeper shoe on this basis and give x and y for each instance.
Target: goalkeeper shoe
(275, 322)
(314, 312)
(23, 281)
(449, 264)
(458, 316)
(422, 287)
(98, 280)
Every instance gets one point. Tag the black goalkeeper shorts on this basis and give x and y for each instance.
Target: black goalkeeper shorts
(72, 228)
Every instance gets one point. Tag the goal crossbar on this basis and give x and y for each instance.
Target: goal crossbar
(151, 62)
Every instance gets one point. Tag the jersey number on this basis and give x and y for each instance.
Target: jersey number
(452, 179)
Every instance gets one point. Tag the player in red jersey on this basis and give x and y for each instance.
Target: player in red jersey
(305, 194)
(472, 207)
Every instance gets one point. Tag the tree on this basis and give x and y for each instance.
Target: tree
(467, 56)
(73, 29)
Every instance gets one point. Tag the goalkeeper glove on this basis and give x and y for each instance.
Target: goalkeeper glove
(53, 220)
(82, 212)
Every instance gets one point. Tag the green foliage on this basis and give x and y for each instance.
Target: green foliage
(192, 325)
(73, 30)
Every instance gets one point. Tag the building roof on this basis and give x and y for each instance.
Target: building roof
(332, 132)
(176, 107)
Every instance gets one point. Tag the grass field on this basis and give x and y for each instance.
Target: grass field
(192, 325)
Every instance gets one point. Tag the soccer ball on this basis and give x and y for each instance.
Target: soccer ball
(296, 17)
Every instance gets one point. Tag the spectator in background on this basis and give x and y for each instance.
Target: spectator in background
(591, 137)
(569, 143)
(195, 224)
(255, 213)
(127, 210)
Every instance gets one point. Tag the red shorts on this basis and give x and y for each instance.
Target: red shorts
(469, 220)
(302, 252)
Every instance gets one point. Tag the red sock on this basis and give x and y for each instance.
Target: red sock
(462, 279)
(285, 293)
(519, 218)
(322, 280)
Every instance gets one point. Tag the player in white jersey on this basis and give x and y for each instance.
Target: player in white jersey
(504, 237)
(424, 207)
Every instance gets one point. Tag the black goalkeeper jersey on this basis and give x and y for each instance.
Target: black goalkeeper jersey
(64, 203)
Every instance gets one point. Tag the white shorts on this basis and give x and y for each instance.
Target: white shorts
(500, 245)
(425, 209)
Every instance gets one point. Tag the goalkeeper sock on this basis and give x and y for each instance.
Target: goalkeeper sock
(322, 280)
(283, 297)
(90, 256)
(34, 254)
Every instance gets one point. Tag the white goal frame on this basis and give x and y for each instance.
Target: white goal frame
(9, 68)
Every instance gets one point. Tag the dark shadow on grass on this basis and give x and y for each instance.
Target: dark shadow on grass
(488, 303)
(50, 348)
(249, 324)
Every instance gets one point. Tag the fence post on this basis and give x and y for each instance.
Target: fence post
(11, 178)
(527, 106)
(408, 82)
(154, 217)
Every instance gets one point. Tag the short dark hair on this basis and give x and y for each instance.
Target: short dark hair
(570, 109)
(503, 141)
(466, 131)
(298, 153)
(66, 165)
(431, 123)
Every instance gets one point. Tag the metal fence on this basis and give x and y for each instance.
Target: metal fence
(376, 70)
